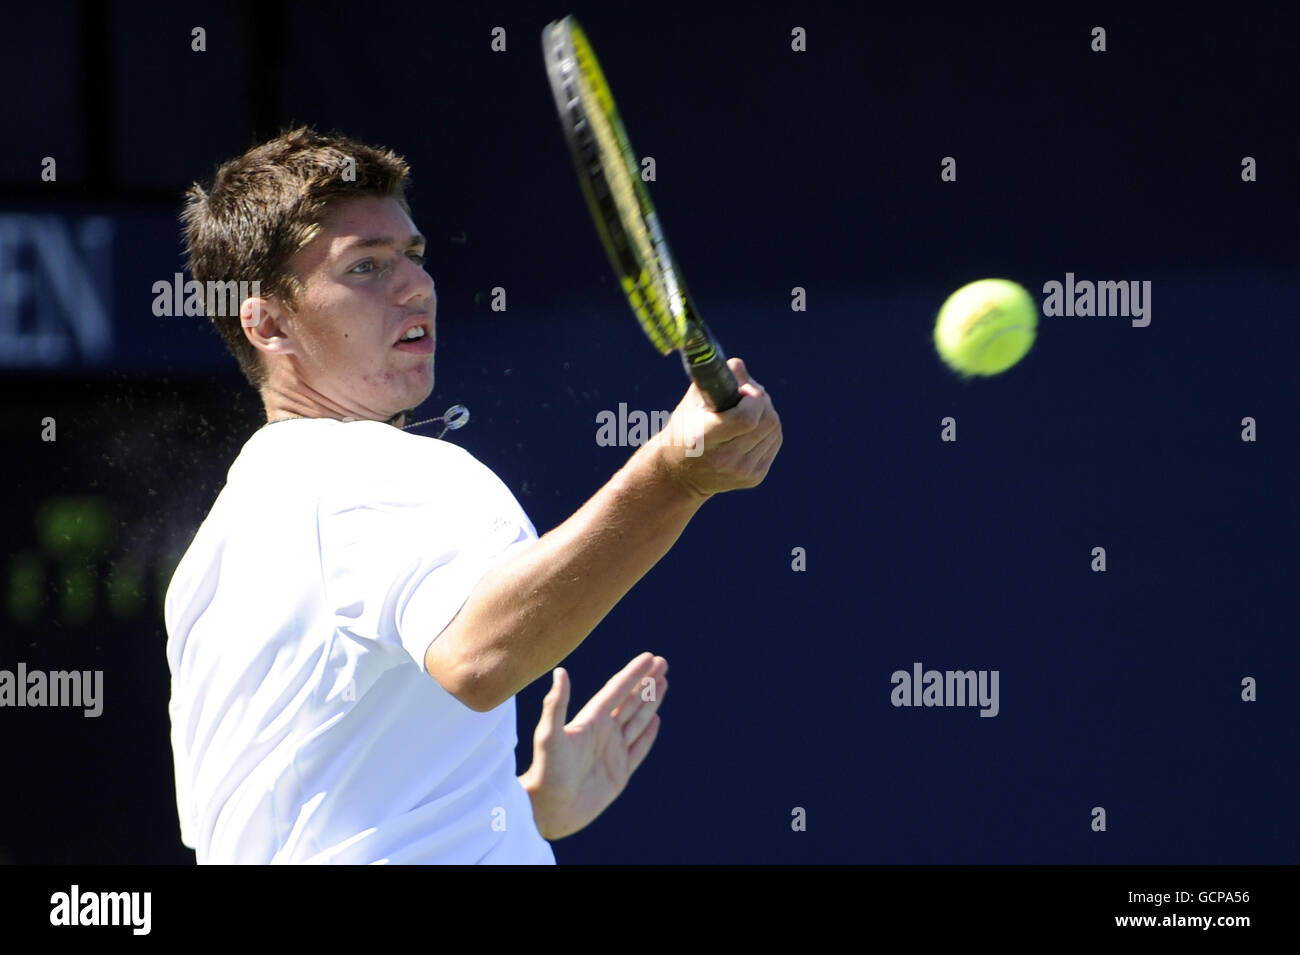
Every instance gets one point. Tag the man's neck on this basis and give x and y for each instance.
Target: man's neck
(397, 421)
(283, 408)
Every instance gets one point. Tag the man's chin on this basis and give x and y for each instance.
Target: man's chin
(407, 415)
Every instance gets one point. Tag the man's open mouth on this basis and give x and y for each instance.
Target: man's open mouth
(418, 338)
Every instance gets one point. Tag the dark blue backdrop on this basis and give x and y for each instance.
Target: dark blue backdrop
(775, 169)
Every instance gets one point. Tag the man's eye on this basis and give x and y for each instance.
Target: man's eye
(417, 257)
(367, 265)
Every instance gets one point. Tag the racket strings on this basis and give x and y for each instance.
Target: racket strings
(652, 287)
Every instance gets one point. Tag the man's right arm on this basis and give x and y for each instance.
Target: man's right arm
(528, 613)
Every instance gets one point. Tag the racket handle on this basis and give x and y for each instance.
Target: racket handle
(712, 376)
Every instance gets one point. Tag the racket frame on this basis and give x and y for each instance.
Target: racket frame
(650, 278)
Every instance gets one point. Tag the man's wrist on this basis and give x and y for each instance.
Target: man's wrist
(649, 470)
(532, 786)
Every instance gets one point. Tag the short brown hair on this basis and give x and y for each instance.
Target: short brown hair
(267, 204)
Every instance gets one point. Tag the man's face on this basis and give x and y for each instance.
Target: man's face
(364, 289)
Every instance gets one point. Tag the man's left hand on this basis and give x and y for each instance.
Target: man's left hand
(580, 768)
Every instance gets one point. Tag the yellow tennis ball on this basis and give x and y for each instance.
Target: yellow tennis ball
(986, 327)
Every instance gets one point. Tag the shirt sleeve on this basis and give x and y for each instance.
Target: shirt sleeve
(402, 551)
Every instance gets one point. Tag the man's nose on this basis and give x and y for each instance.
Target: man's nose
(420, 288)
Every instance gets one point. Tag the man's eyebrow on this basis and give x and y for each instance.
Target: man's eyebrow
(415, 239)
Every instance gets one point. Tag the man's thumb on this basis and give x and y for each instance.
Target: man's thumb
(555, 704)
(743, 378)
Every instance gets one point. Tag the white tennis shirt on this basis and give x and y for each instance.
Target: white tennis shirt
(304, 726)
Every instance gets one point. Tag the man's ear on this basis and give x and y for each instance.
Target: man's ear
(263, 321)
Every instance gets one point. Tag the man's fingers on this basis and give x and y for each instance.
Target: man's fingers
(644, 695)
(636, 754)
(643, 713)
(766, 424)
(760, 457)
(622, 683)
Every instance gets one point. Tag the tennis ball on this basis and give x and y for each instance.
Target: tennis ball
(986, 327)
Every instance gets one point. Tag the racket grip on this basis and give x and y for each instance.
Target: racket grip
(714, 379)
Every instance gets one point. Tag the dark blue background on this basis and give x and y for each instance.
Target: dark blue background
(775, 170)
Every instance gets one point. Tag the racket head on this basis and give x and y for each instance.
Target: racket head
(610, 178)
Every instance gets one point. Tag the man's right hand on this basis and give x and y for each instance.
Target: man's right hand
(708, 452)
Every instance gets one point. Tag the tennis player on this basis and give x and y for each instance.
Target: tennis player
(350, 625)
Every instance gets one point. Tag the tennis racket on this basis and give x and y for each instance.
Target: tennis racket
(625, 218)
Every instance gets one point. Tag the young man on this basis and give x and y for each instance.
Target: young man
(350, 625)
